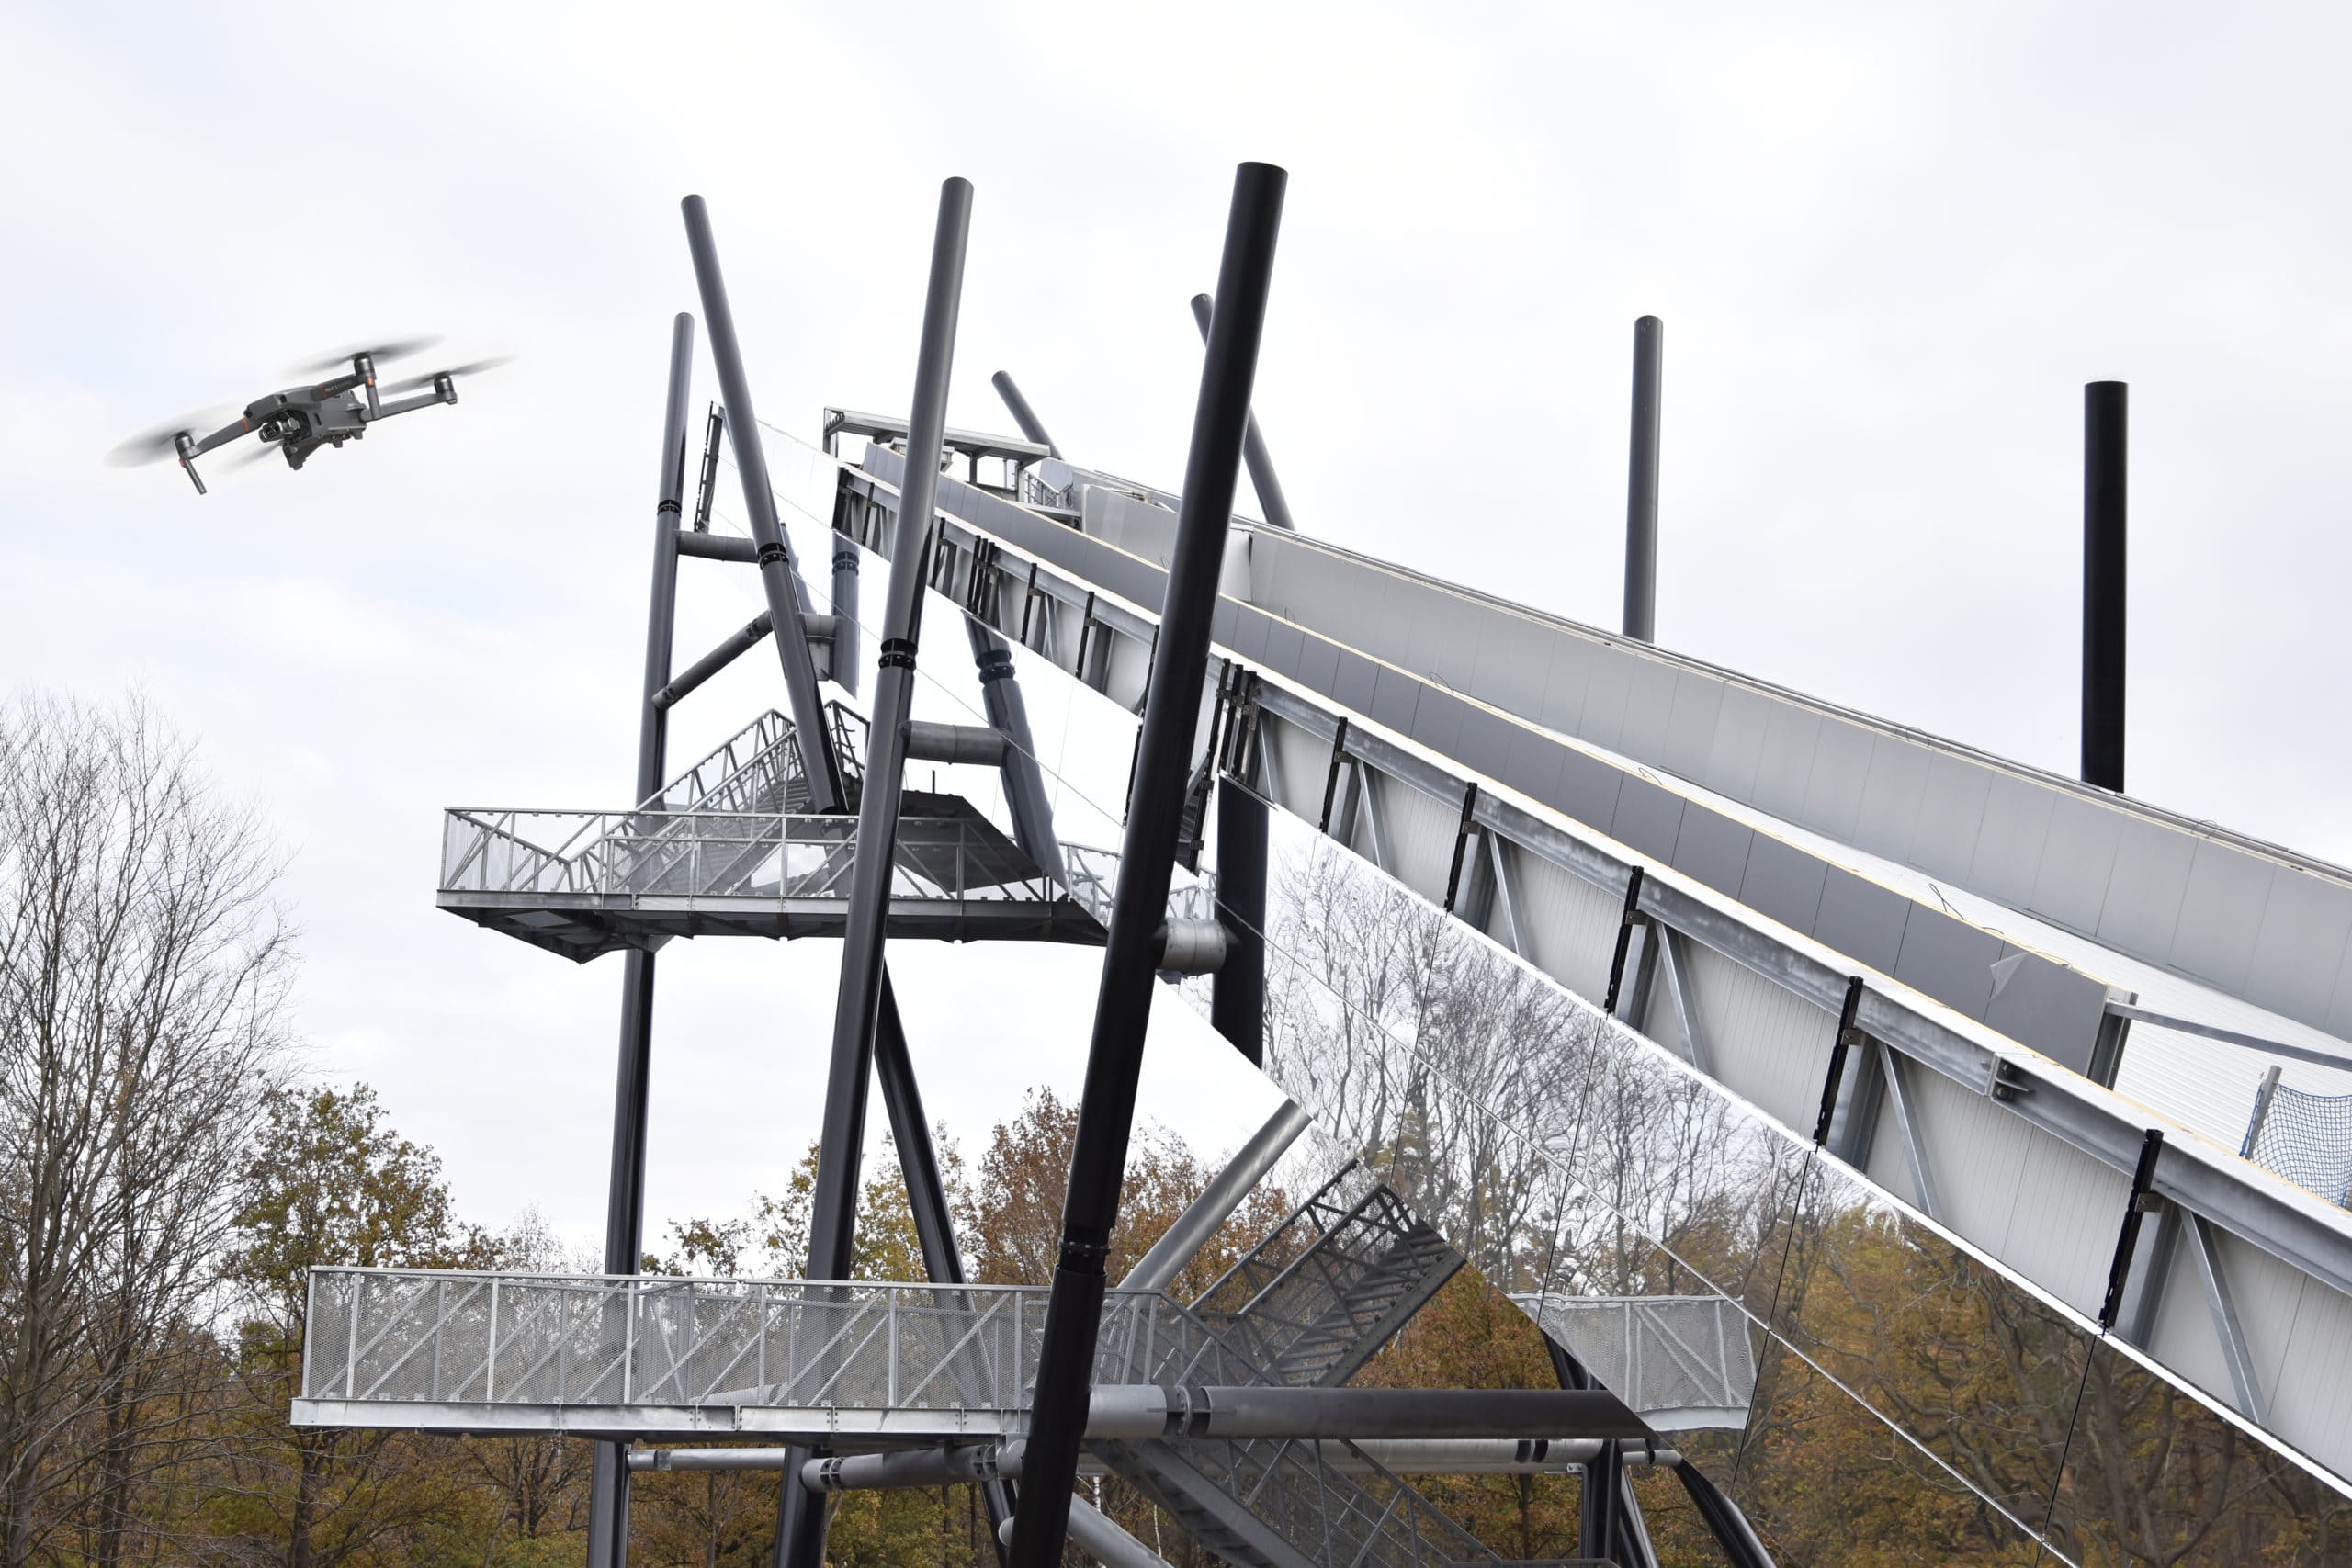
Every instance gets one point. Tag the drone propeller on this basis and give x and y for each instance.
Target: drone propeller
(474, 368)
(162, 442)
(391, 348)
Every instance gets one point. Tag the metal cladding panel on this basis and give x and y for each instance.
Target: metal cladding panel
(1647, 818)
(1766, 1044)
(1792, 735)
(1420, 838)
(1570, 682)
(1318, 662)
(1437, 723)
(2142, 905)
(1783, 883)
(1571, 925)
(1862, 919)
(1649, 710)
(2269, 1297)
(1842, 769)
(1588, 788)
(2314, 1367)
(2010, 840)
(2222, 915)
(1514, 665)
(2298, 951)
(1714, 848)
(1893, 793)
(1690, 728)
(1608, 686)
(1285, 647)
(1948, 960)
(2077, 859)
(2055, 1010)
(2061, 1224)
(1952, 813)
(1738, 747)
(1352, 685)
(1394, 693)
(1983, 1150)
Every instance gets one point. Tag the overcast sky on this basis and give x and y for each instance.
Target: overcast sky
(1890, 244)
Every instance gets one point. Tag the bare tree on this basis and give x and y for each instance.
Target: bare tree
(142, 964)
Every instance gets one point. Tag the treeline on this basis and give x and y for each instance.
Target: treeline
(167, 1178)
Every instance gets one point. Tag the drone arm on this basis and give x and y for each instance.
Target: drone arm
(407, 405)
(220, 437)
(443, 389)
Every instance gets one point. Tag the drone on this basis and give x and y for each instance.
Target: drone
(301, 420)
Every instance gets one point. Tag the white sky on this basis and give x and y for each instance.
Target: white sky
(1890, 244)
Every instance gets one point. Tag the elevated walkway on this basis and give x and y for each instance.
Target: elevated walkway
(731, 849)
(862, 1364)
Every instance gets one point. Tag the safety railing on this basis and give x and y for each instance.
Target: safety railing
(410, 1336)
(711, 854)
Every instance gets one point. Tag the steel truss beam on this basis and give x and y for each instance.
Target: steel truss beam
(1924, 1044)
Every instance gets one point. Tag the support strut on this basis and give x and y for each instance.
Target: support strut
(800, 1527)
(625, 1195)
(1147, 864)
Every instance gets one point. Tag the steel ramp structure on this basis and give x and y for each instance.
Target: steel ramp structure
(1606, 833)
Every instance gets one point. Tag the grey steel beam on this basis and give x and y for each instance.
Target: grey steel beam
(718, 547)
(1900, 1095)
(920, 1469)
(1262, 478)
(625, 1189)
(1641, 482)
(2341, 1063)
(1207, 1214)
(846, 628)
(2222, 1302)
(2145, 1293)
(2262, 1097)
(973, 745)
(1023, 414)
(1147, 864)
(731, 647)
(800, 1527)
(779, 579)
(1100, 1536)
(1689, 1028)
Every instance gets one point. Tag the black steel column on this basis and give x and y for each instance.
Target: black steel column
(625, 1196)
(1147, 863)
(832, 1217)
(1262, 478)
(943, 1260)
(1238, 989)
(778, 579)
(1023, 414)
(2106, 420)
(1641, 482)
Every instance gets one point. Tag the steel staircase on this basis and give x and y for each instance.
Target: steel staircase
(1333, 1283)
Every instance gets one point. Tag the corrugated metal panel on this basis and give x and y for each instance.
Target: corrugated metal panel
(1765, 1044)
(1572, 924)
(2064, 1214)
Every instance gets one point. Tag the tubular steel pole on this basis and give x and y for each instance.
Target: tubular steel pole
(1262, 478)
(778, 579)
(926, 1193)
(625, 1196)
(1146, 863)
(1641, 481)
(845, 639)
(2106, 429)
(1023, 414)
(1024, 784)
(832, 1218)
